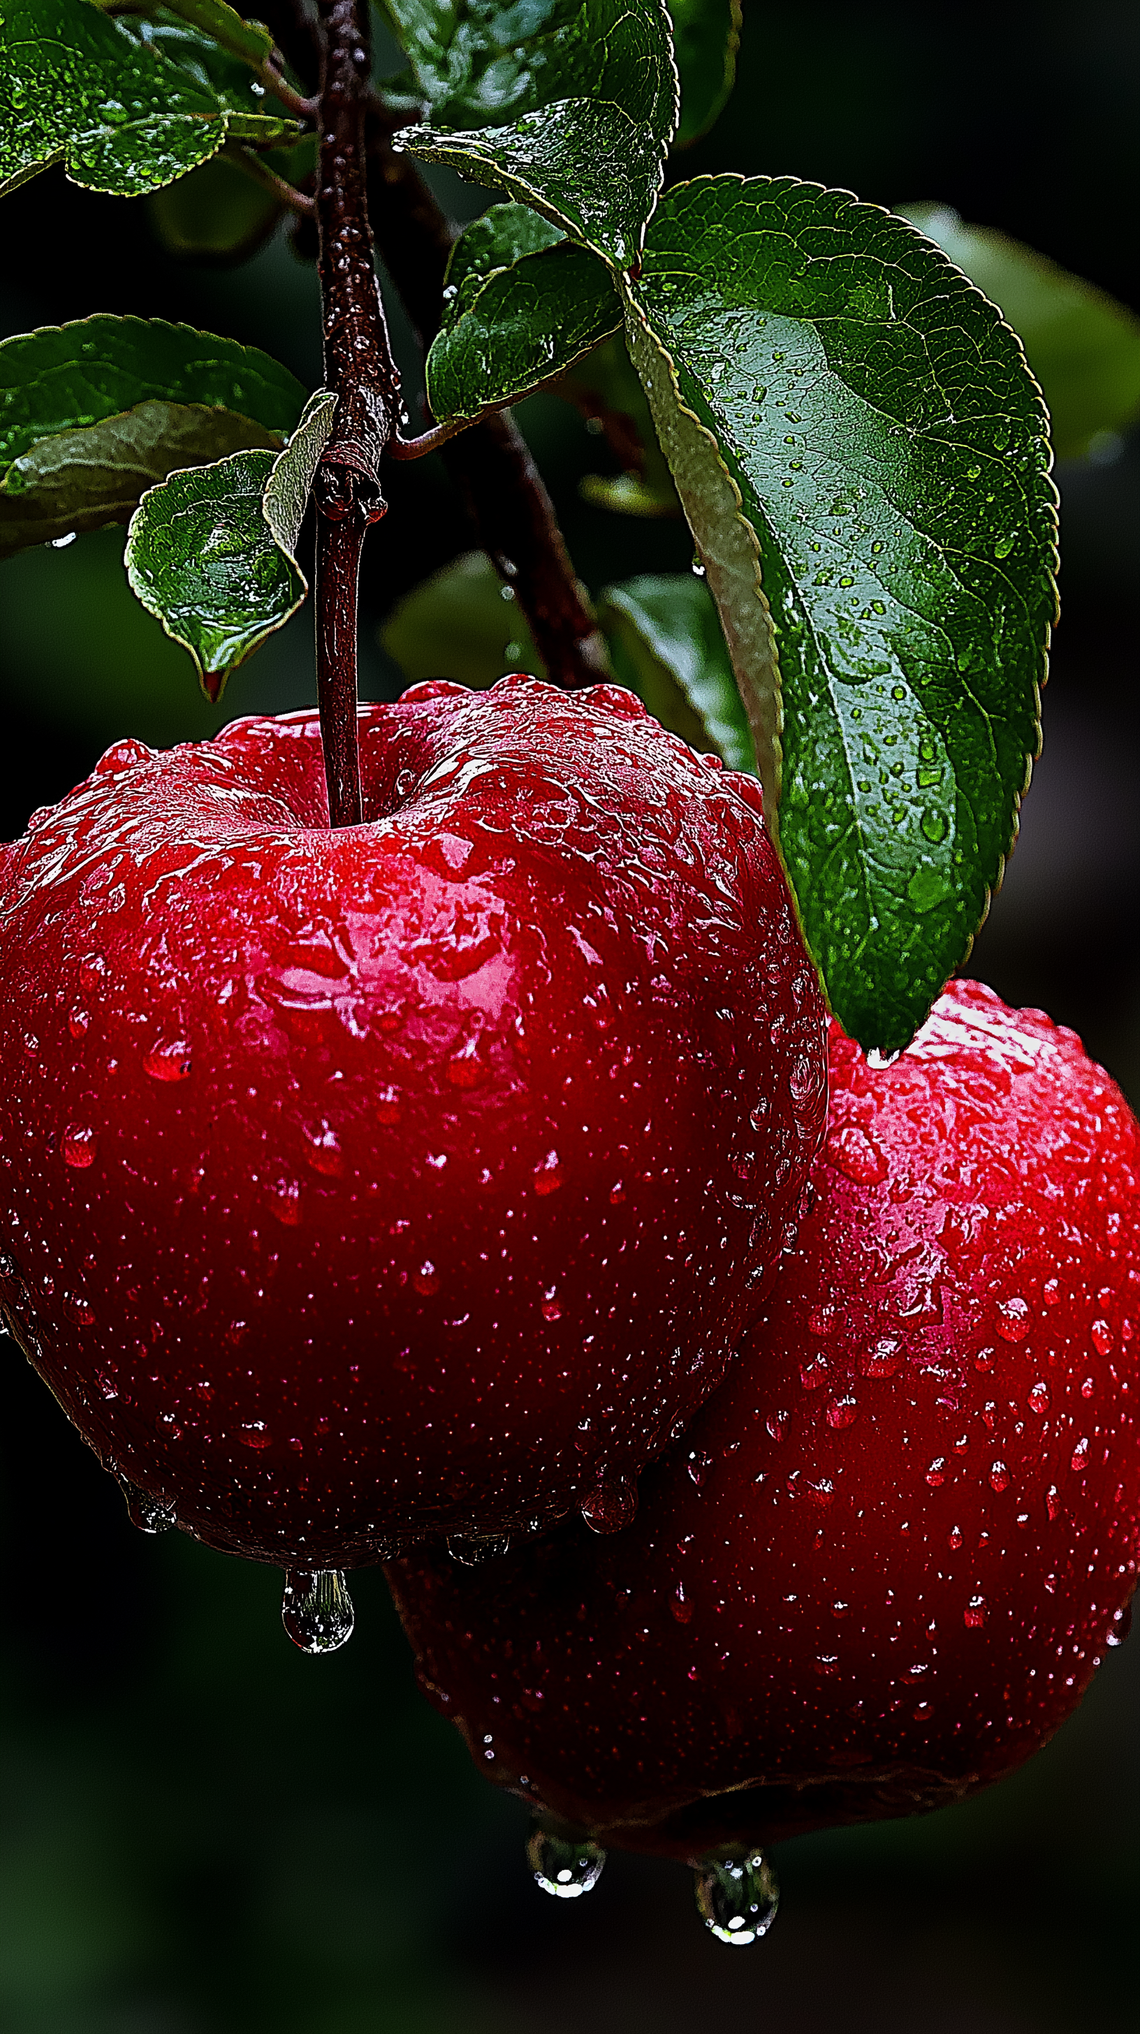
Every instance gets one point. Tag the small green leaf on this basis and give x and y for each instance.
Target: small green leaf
(95, 412)
(290, 484)
(706, 37)
(522, 304)
(573, 117)
(1083, 347)
(844, 413)
(83, 480)
(101, 95)
(202, 61)
(463, 624)
(667, 644)
(201, 557)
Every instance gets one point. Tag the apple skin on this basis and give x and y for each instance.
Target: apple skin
(882, 1564)
(364, 1185)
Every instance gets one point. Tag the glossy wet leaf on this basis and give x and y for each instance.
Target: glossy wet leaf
(198, 56)
(67, 377)
(83, 480)
(574, 118)
(526, 304)
(95, 412)
(706, 37)
(1083, 347)
(290, 483)
(478, 62)
(462, 623)
(80, 87)
(202, 558)
(667, 644)
(814, 363)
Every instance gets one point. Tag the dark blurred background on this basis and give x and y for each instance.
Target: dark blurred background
(201, 1831)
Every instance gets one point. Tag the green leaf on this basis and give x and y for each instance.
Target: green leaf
(228, 80)
(462, 623)
(667, 644)
(607, 391)
(290, 483)
(245, 39)
(847, 416)
(1083, 347)
(82, 480)
(478, 62)
(202, 558)
(706, 37)
(65, 377)
(591, 92)
(79, 87)
(522, 304)
(95, 412)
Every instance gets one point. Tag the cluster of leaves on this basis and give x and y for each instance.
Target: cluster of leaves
(847, 422)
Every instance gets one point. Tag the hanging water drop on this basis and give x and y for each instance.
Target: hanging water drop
(149, 1514)
(565, 1867)
(316, 1609)
(737, 1896)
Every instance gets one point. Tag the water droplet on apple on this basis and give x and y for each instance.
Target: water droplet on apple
(78, 1147)
(471, 1553)
(737, 1896)
(316, 1609)
(149, 1514)
(611, 1506)
(564, 1866)
(169, 1060)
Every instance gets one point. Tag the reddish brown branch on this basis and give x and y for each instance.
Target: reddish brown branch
(360, 370)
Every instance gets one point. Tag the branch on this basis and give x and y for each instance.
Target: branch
(359, 368)
(260, 173)
(490, 461)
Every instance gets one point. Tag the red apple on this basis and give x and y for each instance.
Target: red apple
(412, 1178)
(883, 1562)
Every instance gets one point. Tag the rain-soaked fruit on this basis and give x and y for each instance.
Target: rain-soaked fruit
(411, 1178)
(884, 1560)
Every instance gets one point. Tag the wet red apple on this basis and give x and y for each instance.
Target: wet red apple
(881, 1565)
(412, 1178)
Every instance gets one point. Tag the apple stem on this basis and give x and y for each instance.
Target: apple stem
(359, 368)
(513, 515)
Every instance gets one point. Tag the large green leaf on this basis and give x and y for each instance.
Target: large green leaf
(590, 89)
(667, 644)
(79, 87)
(521, 304)
(706, 37)
(200, 57)
(95, 412)
(210, 551)
(1083, 347)
(851, 422)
